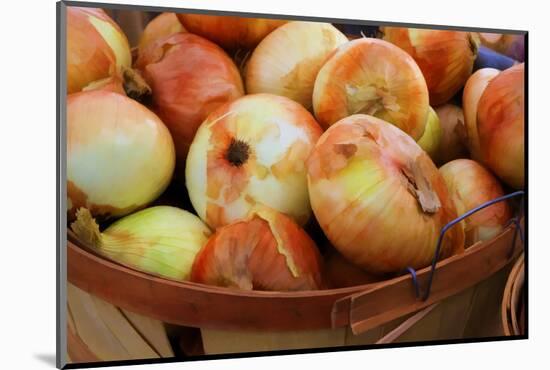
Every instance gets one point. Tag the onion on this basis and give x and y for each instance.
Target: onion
(473, 89)
(163, 25)
(446, 58)
(378, 197)
(251, 151)
(500, 124)
(231, 33)
(266, 251)
(374, 77)
(190, 77)
(508, 44)
(470, 185)
(453, 134)
(96, 47)
(120, 156)
(287, 61)
(159, 240)
(431, 140)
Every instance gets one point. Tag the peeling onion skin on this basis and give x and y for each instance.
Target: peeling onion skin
(287, 60)
(500, 118)
(371, 76)
(190, 77)
(120, 156)
(470, 185)
(361, 178)
(163, 25)
(229, 32)
(245, 255)
(473, 90)
(453, 134)
(446, 58)
(96, 47)
(252, 151)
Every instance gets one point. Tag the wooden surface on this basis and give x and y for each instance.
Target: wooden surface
(511, 297)
(364, 307)
(99, 331)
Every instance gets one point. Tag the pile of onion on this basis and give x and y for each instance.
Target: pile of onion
(374, 77)
(97, 48)
(190, 77)
(252, 151)
(160, 240)
(471, 185)
(500, 125)
(163, 25)
(378, 196)
(446, 58)
(287, 61)
(230, 32)
(120, 156)
(473, 90)
(265, 251)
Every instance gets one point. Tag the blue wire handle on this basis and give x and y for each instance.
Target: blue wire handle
(514, 220)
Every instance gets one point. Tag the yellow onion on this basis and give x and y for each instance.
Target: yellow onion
(431, 140)
(287, 61)
(120, 156)
(511, 45)
(251, 151)
(378, 196)
(446, 58)
(190, 77)
(453, 134)
(473, 89)
(500, 125)
(163, 25)
(159, 240)
(265, 251)
(470, 185)
(96, 47)
(230, 32)
(373, 77)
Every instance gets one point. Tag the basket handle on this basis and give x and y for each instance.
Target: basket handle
(394, 298)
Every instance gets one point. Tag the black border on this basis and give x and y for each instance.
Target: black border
(60, 157)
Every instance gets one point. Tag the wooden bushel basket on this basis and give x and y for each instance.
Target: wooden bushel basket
(513, 301)
(466, 292)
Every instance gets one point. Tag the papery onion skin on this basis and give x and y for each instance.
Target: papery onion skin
(230, 32)
(446, 58)
(473, 90)
(453, 134)
(96, 47)
(287, 60)
(120, 156)
(511, 45)
(470, 185)
(160, 240)
(266, 251)
(378, 196)
(163, 25)
(373, 77)
(431, 140)
(500, 124)
(190, 77)
(251, 151)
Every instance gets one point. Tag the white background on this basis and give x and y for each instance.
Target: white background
(27, 178)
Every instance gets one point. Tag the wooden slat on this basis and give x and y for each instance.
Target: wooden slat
(395, 298)
(152, 331)
(393, 335)
(77, 350)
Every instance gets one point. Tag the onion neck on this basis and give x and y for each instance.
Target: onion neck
(134, 85)
(86, 229)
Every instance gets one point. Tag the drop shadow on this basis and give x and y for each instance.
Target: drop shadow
(47, 358)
